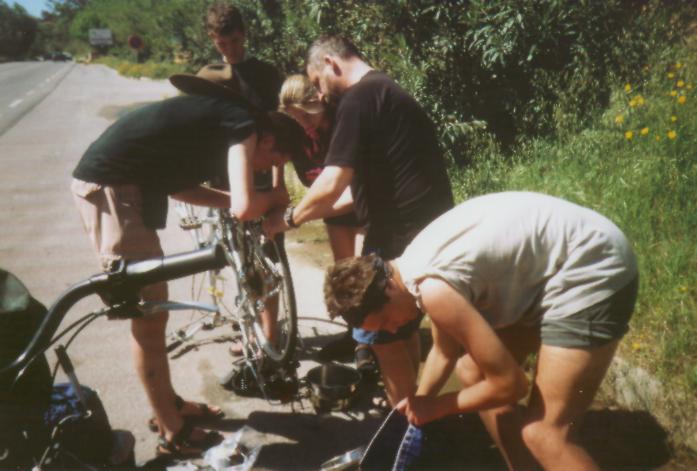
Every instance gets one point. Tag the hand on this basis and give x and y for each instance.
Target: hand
(281, 198)
(419, 410)
(274, 224)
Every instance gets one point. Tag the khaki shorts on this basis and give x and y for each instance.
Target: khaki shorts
(113, 219)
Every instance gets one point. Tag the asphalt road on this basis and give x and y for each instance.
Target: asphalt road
(24, 84)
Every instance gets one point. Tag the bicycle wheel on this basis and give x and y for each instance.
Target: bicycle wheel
(206, 287)
(277, 340)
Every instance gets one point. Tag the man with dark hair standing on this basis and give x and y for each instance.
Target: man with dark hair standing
(170, 148)
(383, 158)
(260, 82)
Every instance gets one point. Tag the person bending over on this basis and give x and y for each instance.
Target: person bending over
(169, 148)
(503, 276)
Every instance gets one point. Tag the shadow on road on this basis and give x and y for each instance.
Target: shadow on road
(617, 440)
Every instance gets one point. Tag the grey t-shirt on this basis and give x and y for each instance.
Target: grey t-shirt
(520, 256)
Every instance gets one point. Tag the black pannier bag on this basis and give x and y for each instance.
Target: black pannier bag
(23, 403)
(34, 413)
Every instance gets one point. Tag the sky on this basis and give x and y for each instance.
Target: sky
(34, 7)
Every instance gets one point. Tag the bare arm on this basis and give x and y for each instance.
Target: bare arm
(503, 381)
(324, 193)
(343, 205)
(245, 202)
(204, 196)
(329, 195)
(439, 363)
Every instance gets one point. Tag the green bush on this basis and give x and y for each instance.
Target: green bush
(157, 70)
(636, 164)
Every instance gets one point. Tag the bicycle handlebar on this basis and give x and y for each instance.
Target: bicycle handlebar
(119, 286)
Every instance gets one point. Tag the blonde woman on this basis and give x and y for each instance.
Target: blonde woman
(298, 98)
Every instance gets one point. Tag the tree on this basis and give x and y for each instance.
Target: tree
(17, 31)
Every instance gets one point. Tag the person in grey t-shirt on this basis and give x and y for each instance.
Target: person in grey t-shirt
(503, 276)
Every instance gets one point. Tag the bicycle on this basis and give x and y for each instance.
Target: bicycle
(262, 281)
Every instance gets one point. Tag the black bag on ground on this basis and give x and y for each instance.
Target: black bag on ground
(20, 316)
(88, 438)
(23, 434)
(31, 408)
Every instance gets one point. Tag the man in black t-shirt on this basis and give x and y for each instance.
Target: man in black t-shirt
(170, 148)
(260, 81)
(385, 159)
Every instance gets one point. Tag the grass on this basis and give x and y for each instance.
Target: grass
(154, 70)
(637, 164)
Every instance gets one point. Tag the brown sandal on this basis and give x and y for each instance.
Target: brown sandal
(183, 446)
(206, 413)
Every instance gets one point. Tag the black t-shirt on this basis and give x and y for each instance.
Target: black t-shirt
(400, 181)
(166, 147)
(260, 82)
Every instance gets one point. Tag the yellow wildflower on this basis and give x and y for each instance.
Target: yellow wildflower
(682, 99)
(628, 88)
(658, 138)
(671, 75)
(673, 119)
(673, 93)
(640, 100)
(672, 134)
(636, 346)
(632, 102)
(678, 65)
(689, 86)
(628, 135)
(644, 131)
(680, 84)
(619, 119)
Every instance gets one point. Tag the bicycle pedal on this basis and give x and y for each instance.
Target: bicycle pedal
(190, 223)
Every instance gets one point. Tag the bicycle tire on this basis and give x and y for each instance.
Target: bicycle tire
(282, 350)
(205, 285)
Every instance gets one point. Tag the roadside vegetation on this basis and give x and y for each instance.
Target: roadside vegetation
(590, 101)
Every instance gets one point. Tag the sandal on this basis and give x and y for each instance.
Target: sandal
(183, 446)
(206, 412)
(380, 405)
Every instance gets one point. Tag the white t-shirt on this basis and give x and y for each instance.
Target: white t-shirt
(520, 256)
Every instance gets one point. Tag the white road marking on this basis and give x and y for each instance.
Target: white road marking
(15, 103)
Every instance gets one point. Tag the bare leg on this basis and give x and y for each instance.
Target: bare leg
(343, 240)
(151, 363)
(399, 365)
(566, 382)
(504, 423)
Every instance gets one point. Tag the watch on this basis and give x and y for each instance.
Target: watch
(288, 217)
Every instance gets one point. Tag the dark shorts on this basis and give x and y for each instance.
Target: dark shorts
(596, 325)
(348, 219)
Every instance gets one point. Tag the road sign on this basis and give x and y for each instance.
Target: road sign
(101, 37)
(136, 42)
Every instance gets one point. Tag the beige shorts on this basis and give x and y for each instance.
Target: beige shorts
(113, 219)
